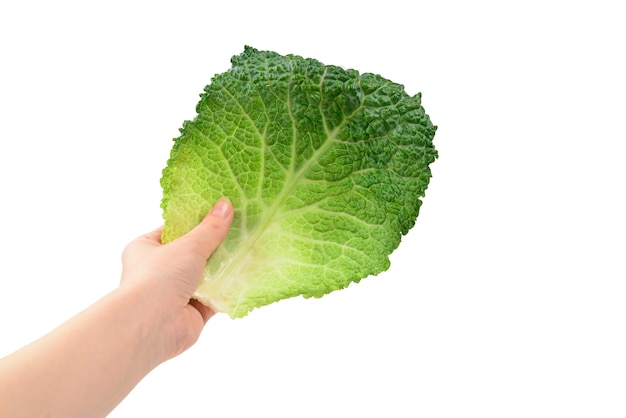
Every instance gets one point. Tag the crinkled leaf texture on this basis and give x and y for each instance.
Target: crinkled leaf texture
(325, 168)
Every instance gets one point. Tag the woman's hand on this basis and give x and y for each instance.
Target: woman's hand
(169, 274)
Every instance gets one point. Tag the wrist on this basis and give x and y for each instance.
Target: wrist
(143, 319)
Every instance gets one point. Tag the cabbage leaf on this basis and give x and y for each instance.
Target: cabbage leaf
(325, 168)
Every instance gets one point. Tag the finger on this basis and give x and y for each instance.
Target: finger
(210, 233)
(155, 235)
(153, 239)
(204, 311)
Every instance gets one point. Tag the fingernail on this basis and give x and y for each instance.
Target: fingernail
(221, 208)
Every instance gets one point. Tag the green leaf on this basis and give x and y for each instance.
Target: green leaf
(325, 168)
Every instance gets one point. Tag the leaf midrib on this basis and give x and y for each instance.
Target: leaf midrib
(235, 261)
(268, 217)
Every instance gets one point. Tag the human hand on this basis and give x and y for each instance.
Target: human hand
(166, 275)
(105, 350)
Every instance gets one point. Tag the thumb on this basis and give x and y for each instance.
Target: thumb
(210, 233)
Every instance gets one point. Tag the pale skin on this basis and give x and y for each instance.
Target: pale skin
(87, 366)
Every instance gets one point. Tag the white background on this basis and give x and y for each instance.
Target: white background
(507, 299)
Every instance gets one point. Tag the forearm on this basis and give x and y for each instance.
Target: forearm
(87, 365)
